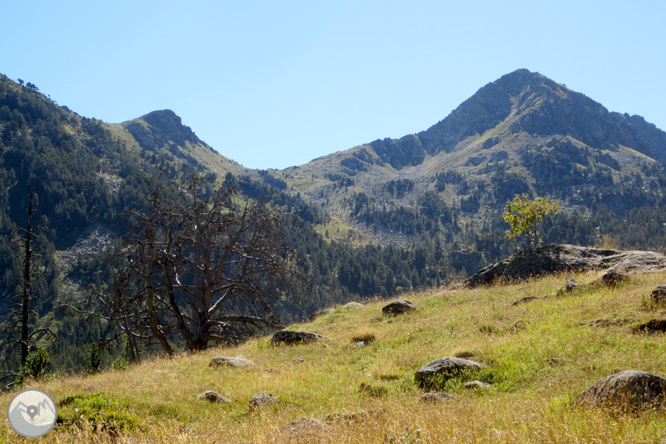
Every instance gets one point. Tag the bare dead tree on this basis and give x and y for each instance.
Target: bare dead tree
(200, 264)
(22, 311)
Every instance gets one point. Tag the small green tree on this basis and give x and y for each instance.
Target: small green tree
(524, 216)
(36, 366)
(94, 359)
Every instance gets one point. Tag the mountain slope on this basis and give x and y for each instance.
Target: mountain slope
(521, 133)
(540, 354)
(162, 133)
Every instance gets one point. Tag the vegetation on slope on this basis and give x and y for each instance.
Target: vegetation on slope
(541, 355)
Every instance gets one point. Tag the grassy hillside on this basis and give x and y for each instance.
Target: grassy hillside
(541, 355)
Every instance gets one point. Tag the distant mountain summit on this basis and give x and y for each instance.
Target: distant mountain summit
(161, 128)
(522, 133)
(528, 102)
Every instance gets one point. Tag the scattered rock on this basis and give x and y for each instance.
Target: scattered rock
(525, 300)
(214, 397)
(608, 323)
(627, 391)
(398, 307)
(237, 362)
(553, 361)
(658, 296)
(262, 399)
(477, 384)
(570, 286)
(610, 279)
(345, 417)
(321, 312)
(652, 327)
(351, 305)
(298, 361)
(294, 337)
(437, 397)
(438, 371)
(528, 264)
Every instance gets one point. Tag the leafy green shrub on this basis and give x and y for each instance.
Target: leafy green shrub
(524, 216)
(120, 363)
(36, 365)
(99, 410)
(94, 359)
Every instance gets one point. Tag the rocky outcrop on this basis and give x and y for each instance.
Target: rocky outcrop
(262, 399)
(237, 361)
(658, 296)
(322, 312)
(627, 391)
(436, 397)
(294, 337)
(565, 258)
(398, 307)
(438, 371)
(214, 397)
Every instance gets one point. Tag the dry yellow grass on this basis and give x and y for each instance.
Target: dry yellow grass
(541, 355)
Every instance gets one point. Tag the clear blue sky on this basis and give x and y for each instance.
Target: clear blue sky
(277, 83)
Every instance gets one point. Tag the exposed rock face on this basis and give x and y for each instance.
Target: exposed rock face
(626, 391)
(214, 397)
(398, 307)
(161, 128)
(566, 258)
(294, 337)
(262, 399)
(438, 371)
(238, 361)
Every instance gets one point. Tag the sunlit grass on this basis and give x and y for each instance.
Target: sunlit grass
(541, 354)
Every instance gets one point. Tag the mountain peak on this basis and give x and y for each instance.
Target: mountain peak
(158, 128)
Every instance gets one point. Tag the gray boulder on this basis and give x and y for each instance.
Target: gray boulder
(437, 372)
(611, 279)
(294, 337)
(527, 264)
(658, 296)
(237, 362)
(350, 305)
(214, 397)
(651, 327)
(436, 397)
(627, 391)
(262, 399)
(477, 384)
(322, 312)
(570, 286)
(398, 307)
(525, 300)
(345, 417)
